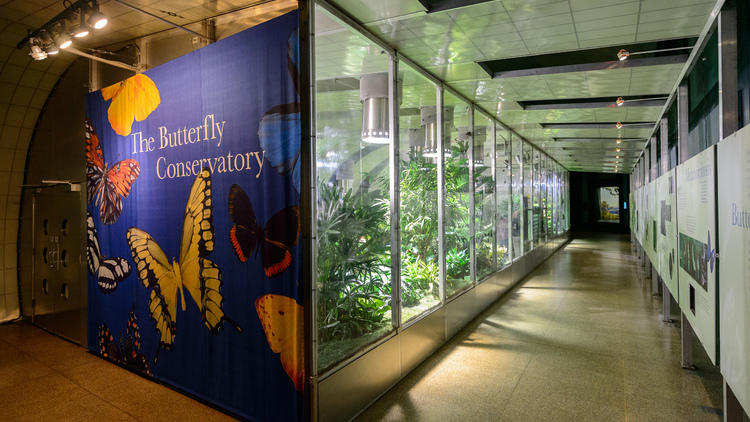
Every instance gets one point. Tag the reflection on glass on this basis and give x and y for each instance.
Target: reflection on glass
(516, 170)
(502, 159)
(420, 279)
(353, 250)
(528, 195)
(457, 217)
(536, 198)
(484, 197)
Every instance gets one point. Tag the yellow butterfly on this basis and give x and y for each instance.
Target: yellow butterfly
(133, 98)
(284, 324)
(194, 272)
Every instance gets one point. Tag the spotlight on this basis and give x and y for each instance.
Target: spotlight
(63, 40)
(52, 49)
(619, 101)
(35, 51)
(619, 141)
(97, 20)
(622, 54)
(80, 29)
(618, 125)
(617, 149)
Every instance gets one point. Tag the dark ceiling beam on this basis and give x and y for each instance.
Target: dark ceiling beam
(598, 125)
(433, 6)
(603, 139)
(599, 102)
(614, 64)
(601, 58)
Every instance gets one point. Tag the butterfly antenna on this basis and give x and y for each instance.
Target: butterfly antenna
(232, 323)
(156, 355)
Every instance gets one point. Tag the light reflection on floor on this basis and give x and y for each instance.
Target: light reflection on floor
(581, 340)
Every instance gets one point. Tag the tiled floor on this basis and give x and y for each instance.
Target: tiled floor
(45, 378)
(580, 340)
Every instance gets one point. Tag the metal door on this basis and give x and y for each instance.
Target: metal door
(58, 300)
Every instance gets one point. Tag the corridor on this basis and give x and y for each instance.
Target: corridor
(581, 338)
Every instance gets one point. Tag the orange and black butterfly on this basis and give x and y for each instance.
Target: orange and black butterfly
(275, 240)
(107, 186)
(126, 351)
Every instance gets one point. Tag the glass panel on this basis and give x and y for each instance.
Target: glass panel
(528, 191)
(516, 192)
(703, 99)
(353, 277)
(537, 204)
(457, 217)
(484, 196)
(543, 198)
(502, 153)
(420, 278)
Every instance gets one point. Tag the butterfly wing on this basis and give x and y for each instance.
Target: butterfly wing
(107, 345)
(116, 186)
(132, 99)
(283, 322)
(201, 276)
(131, 345)
(156, 273)
(281, 234)
(244, 233)
(279, 133)
(93, 251)
(95, 166)
(111, 272)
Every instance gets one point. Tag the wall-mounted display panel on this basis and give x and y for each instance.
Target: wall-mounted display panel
(666, 233)
(696, 222)
(609, 204)
(651, 224)
(193, 228)
(734, 243)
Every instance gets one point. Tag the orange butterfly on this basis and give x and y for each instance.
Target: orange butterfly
(284, 324)
(133, 98)
(107, 185)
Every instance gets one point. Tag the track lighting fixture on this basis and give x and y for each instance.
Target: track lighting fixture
(622, 54)
(53, 36)
(619, 102)
(618, 125)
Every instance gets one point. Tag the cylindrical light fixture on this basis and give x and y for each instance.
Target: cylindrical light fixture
(428, 120)
(619, 102)
(373, 93)
(416, 139)
(62, 40)
(97, 20)
(80, 29)
(623, 54)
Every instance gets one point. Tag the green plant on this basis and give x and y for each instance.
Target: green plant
(419, 279)
(457, 263)
(353, 268)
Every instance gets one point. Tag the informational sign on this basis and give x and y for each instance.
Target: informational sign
(650, 223)
(696, 222)
(666, 233)
(194, 223)
(609, 204)
(734, 243)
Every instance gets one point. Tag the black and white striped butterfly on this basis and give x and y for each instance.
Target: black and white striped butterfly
(109, 271)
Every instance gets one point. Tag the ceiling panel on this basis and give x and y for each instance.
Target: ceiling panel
(448, 44)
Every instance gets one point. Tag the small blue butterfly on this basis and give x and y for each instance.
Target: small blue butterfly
(710, 253)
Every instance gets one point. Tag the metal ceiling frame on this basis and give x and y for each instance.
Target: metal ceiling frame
(357, 26)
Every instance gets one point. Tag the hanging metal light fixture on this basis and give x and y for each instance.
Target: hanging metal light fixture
(428, 120)
(373, 94)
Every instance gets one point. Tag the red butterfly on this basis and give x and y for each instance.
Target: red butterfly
(107, 185)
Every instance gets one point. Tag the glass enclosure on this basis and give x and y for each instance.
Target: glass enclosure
(493, 193)
(420, 278)
(502, 188)
(484, 196)
(516, 171)
(528, 195)
(457, 136)
(353, 262)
